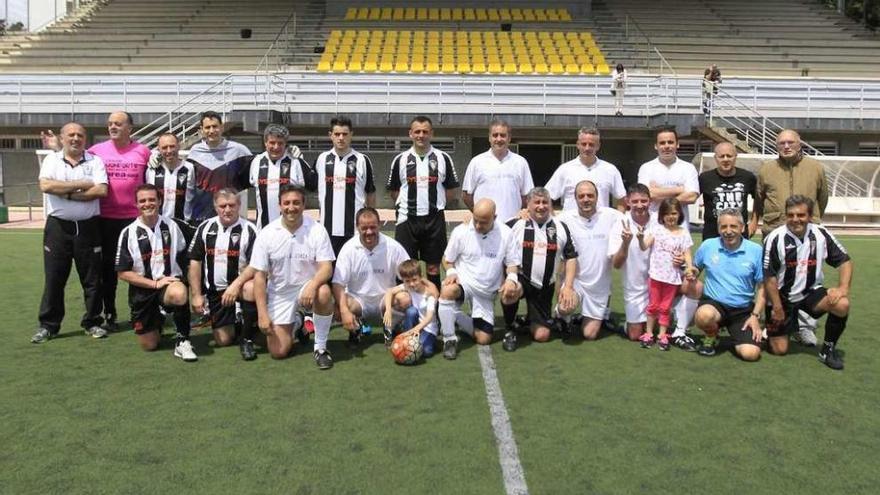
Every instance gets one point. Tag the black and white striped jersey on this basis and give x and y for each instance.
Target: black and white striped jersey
(223, 251)
(542, 247)
(421, 181)
(267, 177)
(176, 188)
(343, 184)
(151, 252)
(797, 263)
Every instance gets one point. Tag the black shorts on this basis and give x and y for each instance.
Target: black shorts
(337, 241)
(221, 316)
(424, 238)
(790, 325)
(733, 319)
(145, 314)
(539, 302)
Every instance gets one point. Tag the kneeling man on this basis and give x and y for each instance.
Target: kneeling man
(476, 258)
(149, 256)
(733, 291)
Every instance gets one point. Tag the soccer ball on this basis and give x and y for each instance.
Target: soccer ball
(406, 348)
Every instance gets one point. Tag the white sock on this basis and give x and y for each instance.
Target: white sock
(465, 323)
(684, 313)
(446, 314)
(322, 330)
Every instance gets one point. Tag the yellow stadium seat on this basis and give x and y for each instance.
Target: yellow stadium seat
(492, 14)
(572, 68)
(478, 67)
(324, 65)
(422, 14)
(504, 14)
(401, 65)
(470, 15)
(494, 68)
(526, 68)
(463, 67)
(516, 14)
(541, 68)
(351, 14)
(563, 15)
(409, 14)
(340, 65)
(594, 51)
(603, 69)
(417, 66)
(433, 35)
(433, 14)
(448, 68)
(556, 68)
(587, 68)
(481, 14)
(509, 67)
(552, 15)
(363, 13)
(397, 14)
(386, 66)
(528, 15)
(568, 59)
(445, 14)
(371, 65)
(355, 66)
(385, 14)
(432, 66)
(375, 14)
(540, 15)
(582, 58)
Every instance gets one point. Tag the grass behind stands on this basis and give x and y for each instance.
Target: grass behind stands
(86, 416)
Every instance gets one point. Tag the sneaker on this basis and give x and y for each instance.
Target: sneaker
(663, 342)
(562, 327)
(509, 342)
(323, 360)
(830, 357)
(646, 340)
(248, 353)
(450, 348)
(389, 337)
(354, 340)
(41, 336)
(96, 332)
(110, 324)
(184, 350)
(611, 326)
(685, 343)
(707, 347)
(805, 336)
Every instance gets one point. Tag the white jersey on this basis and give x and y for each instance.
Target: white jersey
(503, 181)
(177, 187)
(596, 240)
(343, 185)
(543, 248)
(425, 302)
(679, 174)
(369, 274)
(567, 176)
(635, 270)
(421, 182)
(56, 167)
(290, 259)
(151, 252)
(481, 259)
(267, 177)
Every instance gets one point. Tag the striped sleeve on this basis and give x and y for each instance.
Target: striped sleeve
(836, 254)
(451, 180)
(568, 251)
(197, 245)
(370, 185)
(124, 261)
(393, 183)
(249, 248)
(772, 261)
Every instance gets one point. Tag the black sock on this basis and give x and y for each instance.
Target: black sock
(249, 319)
(834, 328)
(510, 313)
(181, 322)
(435, 279)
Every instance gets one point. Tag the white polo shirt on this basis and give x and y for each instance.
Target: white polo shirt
(503, 181)
(368, 274)
(635, 270)
(596, 240)
(290, 259)
(55, 167)
(567, 176)
(481, 259)
(679, 174)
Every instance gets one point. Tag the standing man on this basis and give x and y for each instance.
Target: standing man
(498, 174)
(635, 269)
(478, 255)
(789, 174)
(727, 187)
(176, 182)
(344, 180)
(668, 176)
(365, 269)
(294, 262)
(272, 169)
(793, 257)
(733, 291)
(149, 257)
(219, 255)
(587, 166)
(125, 161)
(72, 181)
(421, 181)
(601, 240)
(545, 246)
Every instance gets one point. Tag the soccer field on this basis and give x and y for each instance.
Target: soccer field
(100, 416)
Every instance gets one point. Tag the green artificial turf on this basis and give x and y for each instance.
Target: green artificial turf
(100, 416)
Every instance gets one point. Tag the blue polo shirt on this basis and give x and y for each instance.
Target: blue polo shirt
(731, 276)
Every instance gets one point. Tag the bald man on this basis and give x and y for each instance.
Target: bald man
(724, 187)
(477, 256)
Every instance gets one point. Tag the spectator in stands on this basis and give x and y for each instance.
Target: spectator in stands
(72, 181)
(618, 87)
(789, 174)
(727, 187)
(711, 81)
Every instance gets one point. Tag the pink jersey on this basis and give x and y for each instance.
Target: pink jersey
(125, 171)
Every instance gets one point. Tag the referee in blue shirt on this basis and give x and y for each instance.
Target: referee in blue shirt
(733, 292)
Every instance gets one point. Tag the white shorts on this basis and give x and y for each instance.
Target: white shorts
(371, 311)
(482, 307)
(283, 307)
(636, 304)
(592, 305)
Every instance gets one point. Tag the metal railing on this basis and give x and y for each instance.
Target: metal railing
(638, 38)
(32, 192)
(273, 60)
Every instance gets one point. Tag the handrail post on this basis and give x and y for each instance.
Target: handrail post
(72, 101)
(19, 101)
